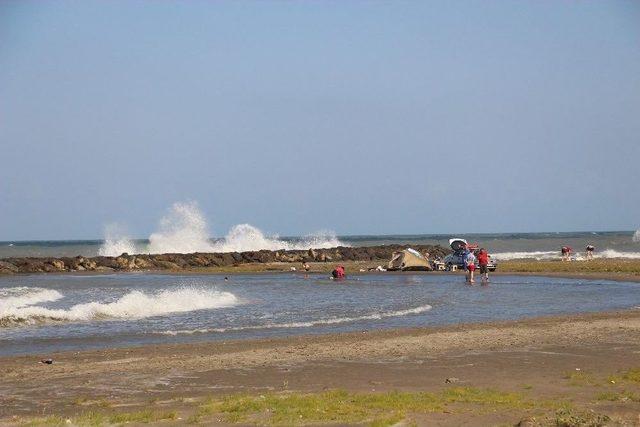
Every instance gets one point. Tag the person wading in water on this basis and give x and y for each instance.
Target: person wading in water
(483, 262)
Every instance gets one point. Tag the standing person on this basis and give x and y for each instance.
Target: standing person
(483, 262)
(470, 264)
(589, 252)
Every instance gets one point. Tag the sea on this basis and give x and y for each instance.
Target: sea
(502, 246)
(44, 313)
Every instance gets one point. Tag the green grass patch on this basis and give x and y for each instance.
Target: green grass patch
(631, 376)
(342, 407)
(621, 396)
(52, 420)
(100, 419)
(580, 378)
(572, 418)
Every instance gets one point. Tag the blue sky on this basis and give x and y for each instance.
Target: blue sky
(363, 117)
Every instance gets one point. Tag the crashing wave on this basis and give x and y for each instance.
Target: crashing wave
(537, 255)
(611, 253)
(116, 242)
(133, 305)
(553, 255)
(636, 236)
(184, 230)
(245, 237)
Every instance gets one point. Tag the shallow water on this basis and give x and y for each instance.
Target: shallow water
(44, 313)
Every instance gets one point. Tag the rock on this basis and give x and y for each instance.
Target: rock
(7, 267)
(200, 260)
(141, 263)
(58, 264)
(123, 262)
(168, 265)
(451, 380)
(88, 264)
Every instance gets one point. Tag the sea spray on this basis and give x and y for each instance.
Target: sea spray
(133, 305)
(182, 230)
(116, 241)
(555, 255)
(245, 237)
(636, 236)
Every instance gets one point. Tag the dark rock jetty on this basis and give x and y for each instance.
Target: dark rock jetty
(194, 261)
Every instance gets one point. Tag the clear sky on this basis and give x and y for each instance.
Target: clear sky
(363, 117)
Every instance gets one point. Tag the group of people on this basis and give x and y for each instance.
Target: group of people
(566, 252)
(482, 259)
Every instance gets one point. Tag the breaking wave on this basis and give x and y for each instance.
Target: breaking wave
(184, 230)
(538, 255)
(22, 296)
(554, 255)
(636, 236)
(245, 237)
(133, 305)
(331, 321)
(116, 242)
(610, 253)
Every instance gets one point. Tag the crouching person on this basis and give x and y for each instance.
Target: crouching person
(338, 273)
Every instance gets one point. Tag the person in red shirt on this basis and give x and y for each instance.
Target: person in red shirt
(338, 272)
(483, 262)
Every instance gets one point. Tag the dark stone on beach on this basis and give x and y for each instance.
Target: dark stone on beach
(8, 268)
(126, 262)
(168, 265)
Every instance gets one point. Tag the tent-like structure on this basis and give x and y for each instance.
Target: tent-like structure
(408, 260)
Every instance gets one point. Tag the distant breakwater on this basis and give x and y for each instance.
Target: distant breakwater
(194, 261)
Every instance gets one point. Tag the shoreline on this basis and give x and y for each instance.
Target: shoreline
(570, 358)
(606, 269)
(503, 354)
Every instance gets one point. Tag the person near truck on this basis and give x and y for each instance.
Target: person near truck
(470, 265)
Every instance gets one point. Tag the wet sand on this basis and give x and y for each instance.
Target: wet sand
(532, 356)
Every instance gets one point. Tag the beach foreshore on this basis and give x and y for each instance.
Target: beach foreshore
(566, 366)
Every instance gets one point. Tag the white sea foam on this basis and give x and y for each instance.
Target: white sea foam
(116, 241)
(23, 296)
(550, 255)
(133, 305)
(610, 253)
(245, 237)
(184, 230)
(538, 255)
(636, 236)
(330, 321)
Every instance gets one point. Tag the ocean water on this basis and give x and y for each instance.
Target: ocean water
(44, 313)
(184, 229)
(191, 237)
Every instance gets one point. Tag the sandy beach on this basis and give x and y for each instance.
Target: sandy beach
(581, 366)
